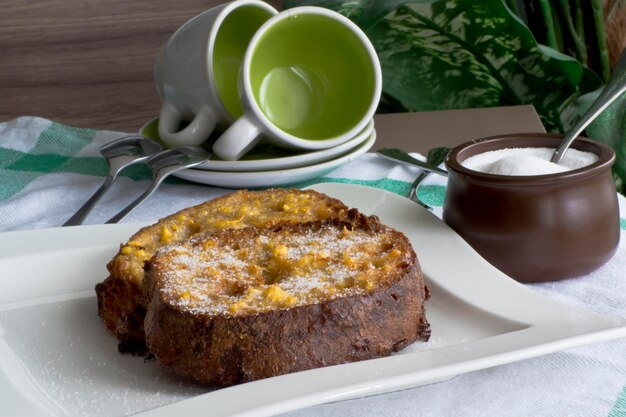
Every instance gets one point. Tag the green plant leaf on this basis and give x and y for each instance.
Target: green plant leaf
(610, 128)
(448, 55)
(440, 54)
(365, 13)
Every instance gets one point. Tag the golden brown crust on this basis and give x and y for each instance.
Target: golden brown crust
(377, 309)
(119, 295)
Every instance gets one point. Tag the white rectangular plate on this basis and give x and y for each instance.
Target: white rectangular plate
(56, 358)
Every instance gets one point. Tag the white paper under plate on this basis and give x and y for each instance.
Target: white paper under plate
(56, 359)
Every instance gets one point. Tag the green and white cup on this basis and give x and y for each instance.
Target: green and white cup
(310, 79)
(197, 70)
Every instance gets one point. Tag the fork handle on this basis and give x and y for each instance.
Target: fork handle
(408, 159)
(412, 195)
(158, 178)
(129, 208)
(82, 212)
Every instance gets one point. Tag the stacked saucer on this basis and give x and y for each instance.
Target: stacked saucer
(267, 165)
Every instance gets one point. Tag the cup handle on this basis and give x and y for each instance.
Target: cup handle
(194, 134)
(238, 139)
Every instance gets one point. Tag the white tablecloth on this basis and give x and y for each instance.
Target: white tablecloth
(47, 170)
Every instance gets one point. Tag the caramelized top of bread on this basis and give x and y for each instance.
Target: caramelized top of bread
(237, 210)
(254, 270)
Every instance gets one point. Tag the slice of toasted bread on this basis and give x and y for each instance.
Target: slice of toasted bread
(119, 295)
(241, 305)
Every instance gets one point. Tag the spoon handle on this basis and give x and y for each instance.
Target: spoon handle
(159, 174)
(613, 89)
(86, 208)
(126, 211)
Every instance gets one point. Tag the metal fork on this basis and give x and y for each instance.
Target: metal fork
(435, 157)
(398, 155)
(119, 154)
(162, 166)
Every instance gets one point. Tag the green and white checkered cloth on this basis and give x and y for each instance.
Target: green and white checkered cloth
(48, 170)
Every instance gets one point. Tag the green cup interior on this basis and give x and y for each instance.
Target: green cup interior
(312, 76)
(232, 39)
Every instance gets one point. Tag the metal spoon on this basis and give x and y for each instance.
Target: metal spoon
(119, 154)
(435, 157)
(399, 155)
(613, 89)
(163, 165)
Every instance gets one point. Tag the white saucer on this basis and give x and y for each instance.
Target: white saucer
(273, 178)
(267, 157)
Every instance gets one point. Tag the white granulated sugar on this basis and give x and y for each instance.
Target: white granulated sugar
(199, 270)
(524, 165)
(527, 161)
(303, 284)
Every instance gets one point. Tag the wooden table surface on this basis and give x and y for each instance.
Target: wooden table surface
(89, 63)
(86, 63)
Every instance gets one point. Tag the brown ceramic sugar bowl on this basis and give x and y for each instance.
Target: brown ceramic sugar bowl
(535, 228)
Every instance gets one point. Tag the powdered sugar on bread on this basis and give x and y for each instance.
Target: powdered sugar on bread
(274, 270)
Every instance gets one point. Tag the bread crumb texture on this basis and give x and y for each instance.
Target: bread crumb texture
(258, 270)
(120, 296)
(238, 210)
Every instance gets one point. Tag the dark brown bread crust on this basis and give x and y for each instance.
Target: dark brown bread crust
(223, 349)
(119, 295)
(122, 312)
